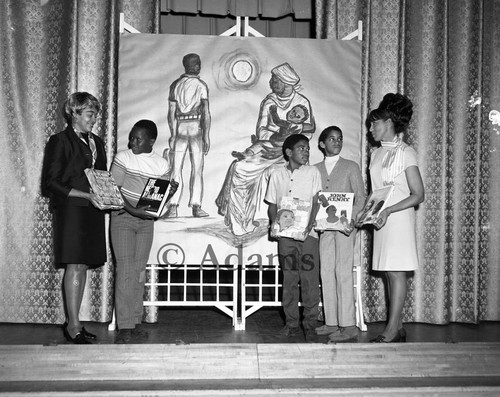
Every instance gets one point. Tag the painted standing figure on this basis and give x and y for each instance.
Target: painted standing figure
(189, 123)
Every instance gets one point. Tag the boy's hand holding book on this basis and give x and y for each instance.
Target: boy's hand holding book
(142, 212)
(273, 230)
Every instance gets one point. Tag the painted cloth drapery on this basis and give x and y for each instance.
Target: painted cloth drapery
(238, 73)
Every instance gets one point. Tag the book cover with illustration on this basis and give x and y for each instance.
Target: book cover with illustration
(335, 212)
(104, 186)
(154, 195)
(292, 218)
(375, 204)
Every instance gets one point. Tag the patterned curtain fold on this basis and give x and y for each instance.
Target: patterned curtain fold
(34, 79)
(144, 15)
(489, 117)
(441, 54)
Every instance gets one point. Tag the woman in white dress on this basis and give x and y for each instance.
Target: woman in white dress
(394, 241)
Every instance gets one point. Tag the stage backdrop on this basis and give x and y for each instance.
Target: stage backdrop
(237, 72)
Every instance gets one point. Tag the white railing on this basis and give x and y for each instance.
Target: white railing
(194, 285)
(219, 286)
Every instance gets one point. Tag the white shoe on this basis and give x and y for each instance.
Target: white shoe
(327, 329)
(347, 334)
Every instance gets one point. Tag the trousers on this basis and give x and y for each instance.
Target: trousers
(131, 238)
(336, 252)
(189, 139)
(299, 263)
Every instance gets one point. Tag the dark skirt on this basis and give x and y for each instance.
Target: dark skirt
(79, 236)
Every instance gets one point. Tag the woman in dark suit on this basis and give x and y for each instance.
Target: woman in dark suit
(79, 231)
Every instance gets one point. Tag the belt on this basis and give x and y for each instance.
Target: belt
(189, 117)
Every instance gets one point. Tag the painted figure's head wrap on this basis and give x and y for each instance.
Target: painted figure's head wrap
(286, 74)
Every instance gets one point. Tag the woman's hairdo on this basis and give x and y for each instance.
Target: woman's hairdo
(396, 107)
(78, 101)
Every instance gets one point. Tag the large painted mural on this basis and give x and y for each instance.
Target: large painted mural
(224, 106)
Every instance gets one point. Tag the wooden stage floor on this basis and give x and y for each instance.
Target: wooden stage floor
(252, 369)
(196, 352)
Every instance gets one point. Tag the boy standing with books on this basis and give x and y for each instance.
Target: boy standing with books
(299, 260)
(336, 248)
(132, 227)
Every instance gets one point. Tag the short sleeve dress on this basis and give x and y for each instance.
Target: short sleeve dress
(395, 245)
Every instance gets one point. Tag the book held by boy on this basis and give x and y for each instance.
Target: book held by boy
(375, 204)
(154, 195)
(335, 212)
(292, 218)
(104, 186)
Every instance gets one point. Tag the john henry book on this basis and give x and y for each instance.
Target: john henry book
(335, 212)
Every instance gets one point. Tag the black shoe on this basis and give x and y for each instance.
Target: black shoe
(87, 334)
(310, 335)
(124, 336)
(382, 339)
(140, 335)
(402, 333)
(289, 332)
(79, 338)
